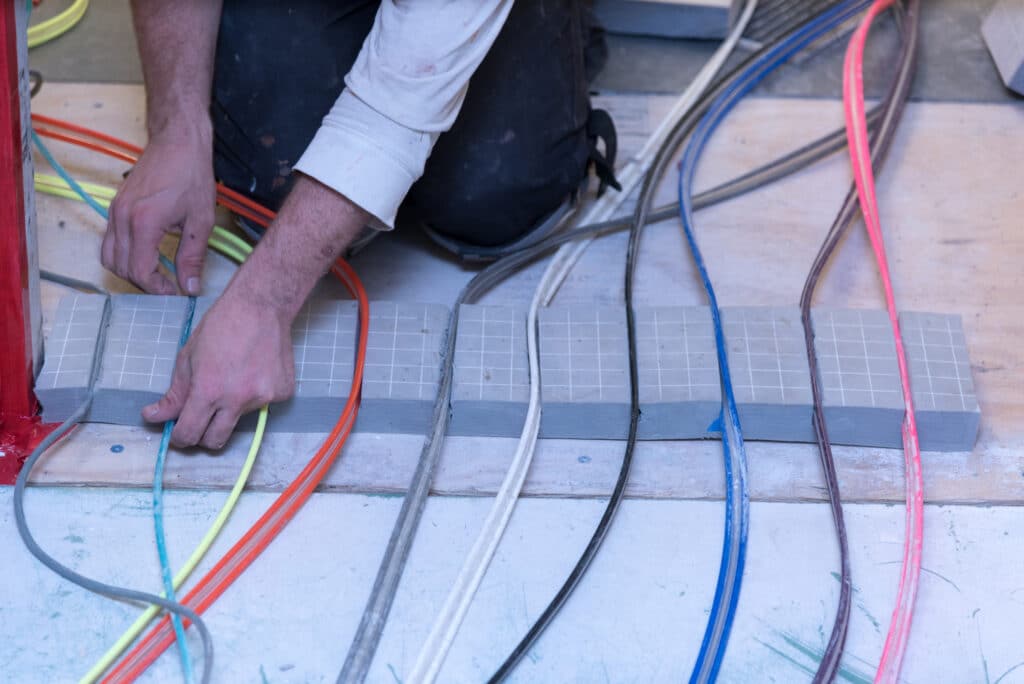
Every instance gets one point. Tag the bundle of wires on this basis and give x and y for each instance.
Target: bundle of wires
(165, 439)
(358, 662)
(446, 624)
(284, 508)
(860, 159)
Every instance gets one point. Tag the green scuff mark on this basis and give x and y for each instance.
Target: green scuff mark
(785, 656)
(263, 676)
(814, 654)
(394, 673)
(860, 606)
(74, 539)
(1003, 676)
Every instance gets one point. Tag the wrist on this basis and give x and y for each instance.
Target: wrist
(182, 125)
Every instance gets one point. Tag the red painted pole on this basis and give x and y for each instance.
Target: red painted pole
(17, 402)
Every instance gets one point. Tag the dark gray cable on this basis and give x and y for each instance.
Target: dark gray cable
(108, 590)
(73, 283)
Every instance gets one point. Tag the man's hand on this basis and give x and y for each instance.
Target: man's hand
(171, 189)
(238, 359)
(240, 356)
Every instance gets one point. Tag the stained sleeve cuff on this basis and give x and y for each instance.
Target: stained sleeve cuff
(367, 157)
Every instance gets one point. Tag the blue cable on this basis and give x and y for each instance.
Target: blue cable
(165, 439)
(66, 177)
(158, 514)
(727, 589)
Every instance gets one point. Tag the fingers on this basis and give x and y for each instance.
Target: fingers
(195, 417)
(147, 229)
(192, 251)
(220, 429)
(132, 241)
(171, 404)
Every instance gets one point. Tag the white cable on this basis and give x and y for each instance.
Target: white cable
(446, 625)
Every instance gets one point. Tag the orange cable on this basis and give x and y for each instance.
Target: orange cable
(284, 508)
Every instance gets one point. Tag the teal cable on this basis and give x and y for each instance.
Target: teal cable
(158, 515)
(73, 184)
(66, 177)
(161, 455)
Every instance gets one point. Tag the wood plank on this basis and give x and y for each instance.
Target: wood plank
(950, 205)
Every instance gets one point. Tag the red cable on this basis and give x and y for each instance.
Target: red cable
(82, 142)
(860, 156)
(284, 508)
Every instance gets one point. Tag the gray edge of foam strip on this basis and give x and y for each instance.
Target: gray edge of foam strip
(583, 361)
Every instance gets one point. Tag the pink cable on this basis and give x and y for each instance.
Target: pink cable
(860, 156)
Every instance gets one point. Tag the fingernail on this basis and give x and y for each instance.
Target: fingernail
(148, 411)
(193, 285)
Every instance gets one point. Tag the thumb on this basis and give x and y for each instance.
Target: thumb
(191, 254)
(169, 406)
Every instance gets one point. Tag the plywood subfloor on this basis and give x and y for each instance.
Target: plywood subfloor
(950, 207)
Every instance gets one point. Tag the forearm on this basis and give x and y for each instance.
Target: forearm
(311, 230)
(177, 40)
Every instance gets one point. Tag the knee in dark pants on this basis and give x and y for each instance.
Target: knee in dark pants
(495, 199)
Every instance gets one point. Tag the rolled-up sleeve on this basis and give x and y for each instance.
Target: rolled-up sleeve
(405, 89)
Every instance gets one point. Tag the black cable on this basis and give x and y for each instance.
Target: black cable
(893, 106)
(35, 80)
(108, 590)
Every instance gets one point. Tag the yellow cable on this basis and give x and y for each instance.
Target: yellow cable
(60, 24)
(224, 241)
(237, 249)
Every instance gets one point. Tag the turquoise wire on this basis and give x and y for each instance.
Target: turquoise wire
(158, 514)
(165, 439)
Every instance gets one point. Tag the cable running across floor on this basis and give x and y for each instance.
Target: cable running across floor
(892, 108)
(445, 627)
(767, 174)
(737, 497)
(285, 507)
(860, 160)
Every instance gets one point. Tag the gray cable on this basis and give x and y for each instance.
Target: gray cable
(73, 283)
(67, 573)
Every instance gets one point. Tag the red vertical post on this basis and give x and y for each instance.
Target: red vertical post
(17, 402)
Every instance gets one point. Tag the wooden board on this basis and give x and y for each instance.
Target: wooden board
(950, 206)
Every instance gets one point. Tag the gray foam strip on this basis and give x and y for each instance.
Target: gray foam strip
(1003, 31)
(584, 372)
(69, 351)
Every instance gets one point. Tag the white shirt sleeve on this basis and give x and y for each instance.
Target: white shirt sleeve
(405, 89)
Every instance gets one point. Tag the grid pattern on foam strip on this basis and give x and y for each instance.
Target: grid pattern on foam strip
(676, 354)
(583, 354)
(403, 354)
(142, 342)
(72, 342)
(857, 358)
(490, 355)
(323, 338)
(940, 370)
(767, 355)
